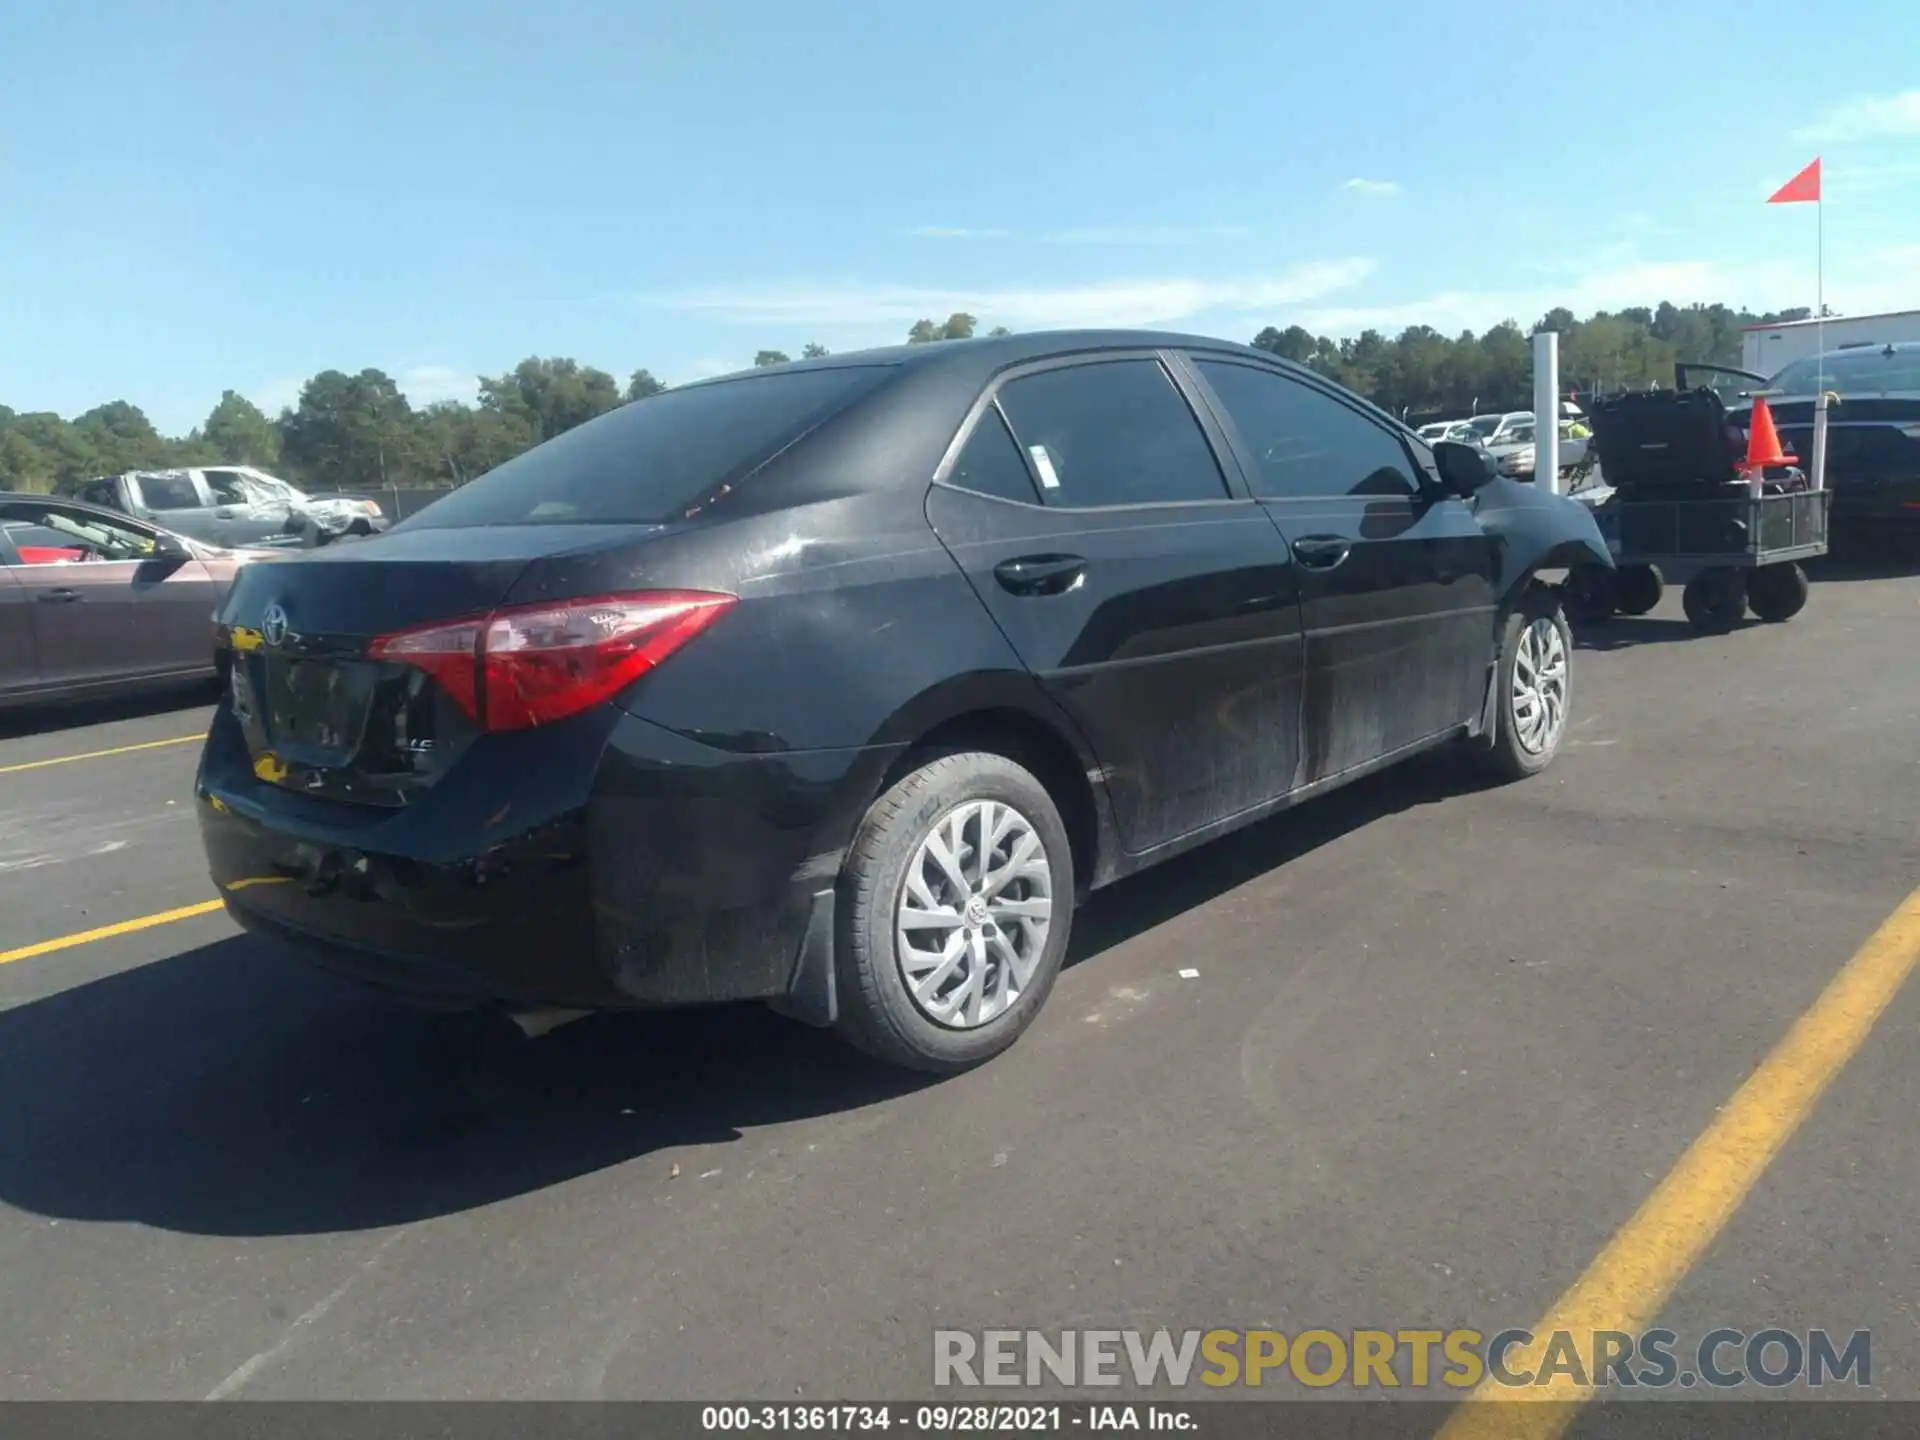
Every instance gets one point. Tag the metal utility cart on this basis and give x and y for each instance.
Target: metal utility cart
(1684, 507)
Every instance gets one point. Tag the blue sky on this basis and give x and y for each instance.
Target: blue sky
(202, 195)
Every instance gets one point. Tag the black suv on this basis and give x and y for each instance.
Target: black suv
(838, 684)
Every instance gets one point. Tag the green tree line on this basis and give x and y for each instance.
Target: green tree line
(360, 432)
(1423, 372)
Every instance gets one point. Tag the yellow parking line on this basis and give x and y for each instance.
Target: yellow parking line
(1627, 1283)
(100, 754)
(107, 932)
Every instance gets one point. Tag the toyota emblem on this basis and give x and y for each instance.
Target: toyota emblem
(273, 625)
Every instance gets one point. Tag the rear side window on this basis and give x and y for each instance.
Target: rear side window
(1305, 443)
(990, 462)
(1114, 433)
(655, 460)
(168, 492)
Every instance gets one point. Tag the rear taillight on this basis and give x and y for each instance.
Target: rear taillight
(533, 664)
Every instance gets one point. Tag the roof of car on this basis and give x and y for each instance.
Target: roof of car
(992, 352)
(8, 497)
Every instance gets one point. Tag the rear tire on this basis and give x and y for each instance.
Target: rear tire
(1534, 689)
(1637, 589)
(1591, 594)
(1777, 592)
(941, 966)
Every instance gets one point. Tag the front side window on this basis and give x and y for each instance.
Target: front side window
(168, 492)
(227, 487)
(1305, 443)
(1113, 433)
(85, 535)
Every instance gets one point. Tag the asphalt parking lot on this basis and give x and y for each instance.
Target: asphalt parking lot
(1442, 1044)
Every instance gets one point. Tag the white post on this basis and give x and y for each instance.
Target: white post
(1546, 410)
(1819, 474)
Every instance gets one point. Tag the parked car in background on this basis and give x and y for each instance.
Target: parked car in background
(1512, 452)
(838, 684)
(1457, 430)
(1493, 428)
(1873, 433)
(93, 601)
(231, 505)
(1510, 439)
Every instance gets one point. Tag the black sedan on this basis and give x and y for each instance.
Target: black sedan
(838, 684)
(1873, 432)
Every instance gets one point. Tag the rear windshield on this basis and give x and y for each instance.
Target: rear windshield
(1855, 372)
(655, 460)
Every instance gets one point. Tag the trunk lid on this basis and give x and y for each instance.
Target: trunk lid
(321, 716)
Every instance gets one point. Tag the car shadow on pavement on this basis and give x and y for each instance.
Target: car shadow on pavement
(229, 1091)
(1841, 566)
(1623, 632)
(46, 719)
(1138, 904)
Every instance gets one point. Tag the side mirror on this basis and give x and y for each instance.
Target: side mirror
(1463, 468)
(170, 547)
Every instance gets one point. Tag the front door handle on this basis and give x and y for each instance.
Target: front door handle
(62, 595)
(1321, 552)
(1040, 574)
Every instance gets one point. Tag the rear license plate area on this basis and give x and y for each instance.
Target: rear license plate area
(316, 710)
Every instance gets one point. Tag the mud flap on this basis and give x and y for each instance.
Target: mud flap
(812, 996)
(1487, 726)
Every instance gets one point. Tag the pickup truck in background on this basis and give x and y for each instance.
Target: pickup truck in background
(234, 506)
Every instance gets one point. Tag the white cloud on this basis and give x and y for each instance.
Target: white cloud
(1764, 285)
(1144, 234)
(1372, 189)
(1148, 301)
(955, 232)
(1872, 117)
(1451, 311)
(429, 384)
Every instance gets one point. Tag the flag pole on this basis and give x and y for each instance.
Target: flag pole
(1820, 421)
(1820, 287)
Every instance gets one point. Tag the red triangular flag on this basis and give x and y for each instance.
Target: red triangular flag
(1801, 188)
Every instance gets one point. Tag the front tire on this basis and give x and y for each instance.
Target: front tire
(1777, 592)
(955, 906)
(1535, 688)
(1715, 600)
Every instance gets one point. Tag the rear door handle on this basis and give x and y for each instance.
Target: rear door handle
(1040, 574)
(1321, 552)
(60, 596)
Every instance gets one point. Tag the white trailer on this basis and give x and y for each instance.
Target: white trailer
(1768, 349)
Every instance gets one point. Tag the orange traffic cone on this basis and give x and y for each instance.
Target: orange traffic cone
(1763, 441)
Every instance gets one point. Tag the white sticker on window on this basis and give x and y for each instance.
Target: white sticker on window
(1043, 462)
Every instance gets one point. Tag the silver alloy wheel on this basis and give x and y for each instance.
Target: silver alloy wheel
(973, 914)
(1539, 696)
